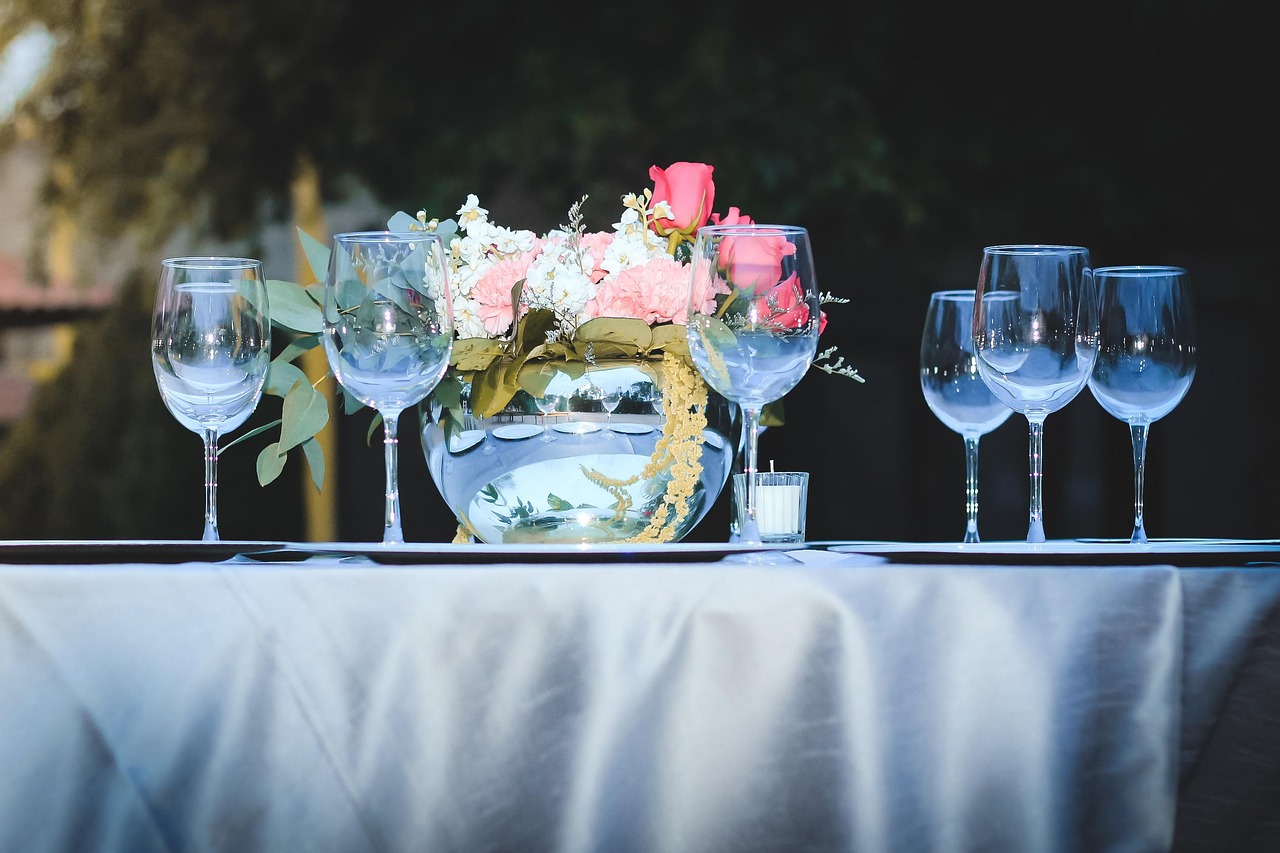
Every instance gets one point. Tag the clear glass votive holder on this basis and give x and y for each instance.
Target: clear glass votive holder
(781, 499)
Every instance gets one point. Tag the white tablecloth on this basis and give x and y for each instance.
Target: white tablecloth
(320, 706)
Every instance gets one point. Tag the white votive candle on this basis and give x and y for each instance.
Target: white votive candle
(777, 509)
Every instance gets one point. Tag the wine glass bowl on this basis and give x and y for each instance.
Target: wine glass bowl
(1146, 359)
(754, 317)
(952, 388)
(1034, 328)
(388, 332)
(210, 352)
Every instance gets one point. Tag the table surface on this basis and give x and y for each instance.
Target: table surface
(840, 696)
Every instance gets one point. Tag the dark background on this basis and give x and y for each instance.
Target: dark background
(904, 137)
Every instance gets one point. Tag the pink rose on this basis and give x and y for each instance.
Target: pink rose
(754, 259)
(733, 217)
(689, 190)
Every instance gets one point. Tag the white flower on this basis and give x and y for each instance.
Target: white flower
(471, 212)
(466, 318)
(559, 287)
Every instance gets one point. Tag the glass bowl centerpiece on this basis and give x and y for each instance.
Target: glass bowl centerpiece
(571, 411)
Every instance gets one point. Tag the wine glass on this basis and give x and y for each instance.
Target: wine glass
(388, 332)
(1146, 355)
(952, 388)
(555, 398)
(754, 317)
(1035, 349)
(210, 350)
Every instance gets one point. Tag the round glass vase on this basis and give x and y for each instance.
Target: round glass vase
(620, 451)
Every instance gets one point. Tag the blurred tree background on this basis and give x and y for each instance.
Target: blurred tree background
(904, 137)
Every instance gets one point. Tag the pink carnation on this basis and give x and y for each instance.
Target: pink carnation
(656, 292)
(492, 291)
(597, 242)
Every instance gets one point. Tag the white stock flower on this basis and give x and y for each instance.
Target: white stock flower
(558, 287)
(466, 318)
(471, 212)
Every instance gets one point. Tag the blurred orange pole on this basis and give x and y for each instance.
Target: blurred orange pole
(308, 214)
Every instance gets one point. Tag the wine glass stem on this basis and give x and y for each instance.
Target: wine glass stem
(971, 488)
(1138, 432)
(210, 486)
(748, 530)
(1035, 532)
(392, 530)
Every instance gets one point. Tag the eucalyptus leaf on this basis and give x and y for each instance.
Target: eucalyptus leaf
(298, 346)
(393, 291)
(317, 254)
(557, 504)
(373, 427)
(350, 404)
(315, 462)
(715, 334)
(304, 414)
(292, 307)
(349, 293)
(448, 229)
(402, 221)
(282, 377)
(772, 414)
(248, 435)
(270, 463)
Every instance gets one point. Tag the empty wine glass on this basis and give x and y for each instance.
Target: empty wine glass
(555, 398)
(1146, 355)
(1036, 348)
(952, 388)
(210, 350)
(754, 317)
(388, 332)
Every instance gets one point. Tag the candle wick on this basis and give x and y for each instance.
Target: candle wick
(770, 466)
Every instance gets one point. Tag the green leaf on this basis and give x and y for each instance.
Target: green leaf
(270, 463)
(304, 414)
(350, 405)
(293, 308)
(555, 502)
(373, 427)
(772, 414)
(670, 338)
(491, 390)
(350, 293)
(282, 376)
(315, 462)
(402, 221)
(298, 346)
(248, 435)
(627, 334)
(532, 329)
(317, 254)
(471, 354)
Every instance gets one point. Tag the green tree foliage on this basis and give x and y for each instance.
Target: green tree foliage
(97, 456)
(905, 136)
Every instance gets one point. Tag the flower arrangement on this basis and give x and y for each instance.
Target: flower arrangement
(520, 297)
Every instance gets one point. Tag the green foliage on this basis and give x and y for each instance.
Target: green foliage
(97, 455)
